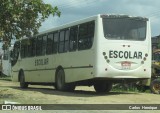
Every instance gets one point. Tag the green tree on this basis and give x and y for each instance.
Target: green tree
(20, 18)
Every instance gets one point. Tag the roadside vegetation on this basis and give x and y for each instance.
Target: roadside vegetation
(122, 87)
(7, 78)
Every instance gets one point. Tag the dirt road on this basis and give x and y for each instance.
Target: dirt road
(10, 91)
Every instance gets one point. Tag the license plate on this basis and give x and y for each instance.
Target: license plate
(126, 65)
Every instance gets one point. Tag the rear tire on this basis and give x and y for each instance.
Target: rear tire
(23, 84)
(60, 82)
(155, 86)
(102, 86)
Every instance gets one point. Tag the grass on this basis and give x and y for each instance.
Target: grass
(128, 88)
(7, 78)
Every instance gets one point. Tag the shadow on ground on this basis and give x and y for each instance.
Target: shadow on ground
(76, 93)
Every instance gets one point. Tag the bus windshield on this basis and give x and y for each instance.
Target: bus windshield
(124, 29)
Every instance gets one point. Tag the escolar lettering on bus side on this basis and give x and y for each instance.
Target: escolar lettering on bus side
(41, 62)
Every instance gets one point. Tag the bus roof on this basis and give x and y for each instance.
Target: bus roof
(123, 16)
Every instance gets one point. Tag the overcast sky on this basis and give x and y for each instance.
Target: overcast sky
(72, 10)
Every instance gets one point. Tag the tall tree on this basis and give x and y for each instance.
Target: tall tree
(20, 18)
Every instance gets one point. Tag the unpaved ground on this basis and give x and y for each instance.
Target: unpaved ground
(10, 91)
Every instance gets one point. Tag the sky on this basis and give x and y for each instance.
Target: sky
(72, 10)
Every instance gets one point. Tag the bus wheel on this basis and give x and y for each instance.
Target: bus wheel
(155, 86)
(102, 86)
(23, 84)
(60, 80)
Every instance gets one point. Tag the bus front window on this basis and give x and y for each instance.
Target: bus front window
(124, 28)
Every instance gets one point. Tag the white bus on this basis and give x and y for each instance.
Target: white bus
(98, 51)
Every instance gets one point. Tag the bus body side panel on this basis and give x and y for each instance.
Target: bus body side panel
(39, 69)
(78, 65)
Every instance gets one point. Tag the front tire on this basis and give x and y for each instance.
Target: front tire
(23, 84)
(102, 86)
(60, 80)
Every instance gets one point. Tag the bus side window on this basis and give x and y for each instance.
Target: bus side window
(49, 43)
(29, 48)
(66, 45)
(39, 46)
(61, 42)
(44, 45)
(55, 42)
(82, 37)
(86, 34)
(73, 38)
(24, 48)
(91, 28)
(33, 47)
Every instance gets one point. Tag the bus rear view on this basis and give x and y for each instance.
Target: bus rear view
(123, 48)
